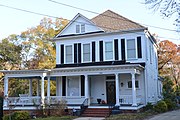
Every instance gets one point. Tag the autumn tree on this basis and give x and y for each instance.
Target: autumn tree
(167, 8)
(38, 45)
(169, 62)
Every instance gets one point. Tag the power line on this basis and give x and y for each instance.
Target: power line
(28, 11)
(23, 10)
(106, 15)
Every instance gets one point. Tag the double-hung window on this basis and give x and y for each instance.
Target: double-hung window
(68, 54)
(86, 52)
(80, 28)
(131, 49)
(109, 50)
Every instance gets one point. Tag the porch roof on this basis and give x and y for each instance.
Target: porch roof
(88, 70)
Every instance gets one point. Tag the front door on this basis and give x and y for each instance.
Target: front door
(111, 92)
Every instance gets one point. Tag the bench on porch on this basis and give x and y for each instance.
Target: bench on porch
(23, 99)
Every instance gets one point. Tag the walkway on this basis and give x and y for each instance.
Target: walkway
(90, 118)
(173, 115)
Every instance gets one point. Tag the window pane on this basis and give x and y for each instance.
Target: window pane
(86, 48)
(73, 86)
(131, 49)
(77, 28)
(69, 54)
(130, 84)
(131, 54)
(108, 46)
(108, 50)
(109, 55)
(131, 44)
(82, 28)
(86, 52)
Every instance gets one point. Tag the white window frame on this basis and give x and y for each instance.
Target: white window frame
(104, 50)
(135, 84)
(82, 28)
(127, 49)
(72, 54)
(82, 58)
(78, 30)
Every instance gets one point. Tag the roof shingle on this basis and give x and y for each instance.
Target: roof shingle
(110, 21)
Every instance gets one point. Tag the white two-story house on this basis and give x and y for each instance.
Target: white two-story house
(108, 59)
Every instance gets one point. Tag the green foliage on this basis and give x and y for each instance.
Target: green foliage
(168, 89)
(149, 106)
(19, 115)
(171, 105)
(161, 107)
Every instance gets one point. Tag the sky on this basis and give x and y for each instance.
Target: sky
(14, 21)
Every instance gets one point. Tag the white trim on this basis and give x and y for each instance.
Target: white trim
(104, 52)
(65, 53)
(82, 53)
(135, 39)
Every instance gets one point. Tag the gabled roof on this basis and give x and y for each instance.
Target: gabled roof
(110, 21)
(74, 20)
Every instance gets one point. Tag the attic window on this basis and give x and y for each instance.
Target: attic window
(77, 28)
(80, 28)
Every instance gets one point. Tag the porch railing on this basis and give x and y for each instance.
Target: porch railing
(30, 100)
(36, 100)
(71, 100)
(127, 99)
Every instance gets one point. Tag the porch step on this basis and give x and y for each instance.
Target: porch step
(96, 112)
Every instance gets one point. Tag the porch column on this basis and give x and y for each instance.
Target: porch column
(38, 87)
(5, 90)
(86, 87)
(117, 89)
(42, 90)
(134, 103)
(30, 87)
(48, 90)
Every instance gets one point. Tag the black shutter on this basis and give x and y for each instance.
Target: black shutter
(116, 49)
(101, 50)
(139, 48)
(79, 52)
(93, 52)
(82, 85)
(62, 54)
(75, 53)
(123, 49)
(63, 85)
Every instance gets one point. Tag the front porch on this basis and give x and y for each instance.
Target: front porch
(81, 86)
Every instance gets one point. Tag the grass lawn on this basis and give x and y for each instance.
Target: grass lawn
(57, 118)
(131, 116)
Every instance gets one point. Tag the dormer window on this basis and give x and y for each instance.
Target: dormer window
(80, 28)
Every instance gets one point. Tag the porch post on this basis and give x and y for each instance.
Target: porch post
(117, 89)
(86, 87)
(134, 103)
(30, 87)
(38, 87)
(48, 89)
(5, 90)
(42, 90)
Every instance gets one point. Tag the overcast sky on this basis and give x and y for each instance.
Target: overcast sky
(14, 21)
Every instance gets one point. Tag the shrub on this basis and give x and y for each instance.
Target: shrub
(6, 117)
(149, 106)
(170, 104)
(19, 115)
(160, 107)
